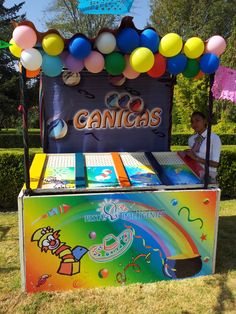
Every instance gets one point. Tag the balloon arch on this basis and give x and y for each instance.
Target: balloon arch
(125, 51)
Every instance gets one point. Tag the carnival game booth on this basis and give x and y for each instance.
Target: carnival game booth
(107, 203)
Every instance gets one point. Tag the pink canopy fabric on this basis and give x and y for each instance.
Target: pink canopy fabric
(224, 86)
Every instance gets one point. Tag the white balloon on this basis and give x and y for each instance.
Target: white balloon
(106, 42)
(31, 59)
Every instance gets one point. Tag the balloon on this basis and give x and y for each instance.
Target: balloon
(141, 59)
(79, 47)
(31, 59)
(150, 40)
(159, 66)
(128, 40)
(24, 36)
(14, 49)
(52, 65)
(194, 47)
(106, 42)
(216, 44)
(209, 63)
(32, 74)
(170, 45)
(199, 75)
(71, 78)
(117, 80)
(177, 64)
(192, 68)
(115, 63)
(128, 72)
(73, 64)
(95, 62)
(64, 55)
(53, 44)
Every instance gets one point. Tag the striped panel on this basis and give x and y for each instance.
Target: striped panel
(36, 170)
(120, 170)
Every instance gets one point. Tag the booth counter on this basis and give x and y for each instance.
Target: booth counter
(109, 219)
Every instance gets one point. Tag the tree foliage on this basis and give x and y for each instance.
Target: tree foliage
(69, 20)
(9, 84)
(202, 18)
(9, 76)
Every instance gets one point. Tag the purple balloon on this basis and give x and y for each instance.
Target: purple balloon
(73, 64)
(64, 55)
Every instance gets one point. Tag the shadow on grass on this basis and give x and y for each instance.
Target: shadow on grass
(3, 232)
(226, 244)
(6, 270)
(225, 299)
(225, 261)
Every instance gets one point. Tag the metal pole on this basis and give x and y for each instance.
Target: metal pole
(208, 144)
(25, 131)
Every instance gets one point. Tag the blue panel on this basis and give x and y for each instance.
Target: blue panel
(79, 171)
(105, 6)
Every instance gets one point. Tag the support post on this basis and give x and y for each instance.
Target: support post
(208, 143)
(25, 131)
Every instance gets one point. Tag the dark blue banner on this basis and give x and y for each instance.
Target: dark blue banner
(96, 116)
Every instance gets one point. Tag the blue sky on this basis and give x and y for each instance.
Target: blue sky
(34, 11)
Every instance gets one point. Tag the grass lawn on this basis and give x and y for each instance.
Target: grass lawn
(210, 294)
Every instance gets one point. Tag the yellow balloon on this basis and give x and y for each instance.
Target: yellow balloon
(53, 44)
(170, 45)
(194, 47)
(14, 49)
(141, 59)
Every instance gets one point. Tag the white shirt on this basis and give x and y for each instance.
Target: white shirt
(214, 149)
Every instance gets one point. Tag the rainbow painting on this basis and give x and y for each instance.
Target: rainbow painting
(114, 239)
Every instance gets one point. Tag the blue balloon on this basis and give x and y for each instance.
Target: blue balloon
(150, 39)
(52, 65)
(80, 47)
(128, 40)
(177, 64)
(209, 63)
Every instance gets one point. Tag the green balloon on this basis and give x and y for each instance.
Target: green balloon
(115, 63)
(191, 69)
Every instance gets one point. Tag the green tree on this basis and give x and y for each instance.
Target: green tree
(224, 108)
(189, 96)
(69, 20)
(202, 18)
(9, 84)
(188, 18)
(229, 57)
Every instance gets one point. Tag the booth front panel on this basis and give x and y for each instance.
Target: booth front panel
(111, 239)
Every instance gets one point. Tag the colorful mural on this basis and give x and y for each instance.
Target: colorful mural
(117, 239)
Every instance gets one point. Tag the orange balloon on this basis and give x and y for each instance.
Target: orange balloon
(31, 74)
(199, 75)
(159, 66)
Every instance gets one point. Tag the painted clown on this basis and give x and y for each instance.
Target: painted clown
(48, 240)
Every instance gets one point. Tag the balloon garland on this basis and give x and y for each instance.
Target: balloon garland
(127, 52)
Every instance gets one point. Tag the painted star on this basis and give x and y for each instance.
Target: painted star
(203, 237)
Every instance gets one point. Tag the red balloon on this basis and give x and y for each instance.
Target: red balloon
(159, 66)
(199, 75)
